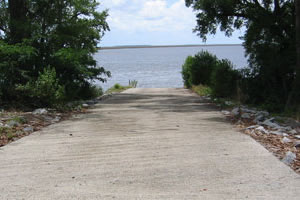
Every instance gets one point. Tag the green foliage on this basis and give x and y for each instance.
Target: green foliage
(19, 119)
(62, 35)
(133, 83)
(198, 69)
(15, 67)
(117, 88)
(7, 132)
(45, 90)
(202, 90)
(224, 79)
(207, 75)
(269, 41)
(204, 65)
(186, 71)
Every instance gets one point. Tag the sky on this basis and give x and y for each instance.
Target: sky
(155, 22)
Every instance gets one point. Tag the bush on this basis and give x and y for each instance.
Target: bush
(198, 69)
(186, 71)
(204, 65)
(224, 79)
(117, 86)
(84, 91)
(204, 72)
(45, 90)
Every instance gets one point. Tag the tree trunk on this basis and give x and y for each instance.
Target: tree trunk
(293, 101)
(297, 85)
(18, 25)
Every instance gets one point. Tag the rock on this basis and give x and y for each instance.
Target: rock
(48, 118)
(259, 118)
(247, 110)
(85, 105)
(262, 130)
(13, 123)
(228, 103)
(205, 98)
(293, 123)
(276, 132)
(246, 116)
(225, 112)
(286, 140)
(263, 113)
(19, 133)
(289, 158)
(293, 132)
(40, 111)
(1, 124)
(28, 129)
(56, 119)
(91, 102)
(297, 136)
(271, 124)
(287, 128)
(235, 111)
(285, 135)
(297, 144)
(253, 127)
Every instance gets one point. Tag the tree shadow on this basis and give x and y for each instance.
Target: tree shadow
(162, 103)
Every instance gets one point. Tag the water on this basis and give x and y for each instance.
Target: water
(158, 67)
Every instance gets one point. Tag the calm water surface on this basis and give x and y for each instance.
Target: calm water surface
(158, 67)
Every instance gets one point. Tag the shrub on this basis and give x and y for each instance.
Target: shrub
(204, 65)
(224, 79)
(45, 90)
(198, 69)
(85, 91)
(117, 86)
(186, 71)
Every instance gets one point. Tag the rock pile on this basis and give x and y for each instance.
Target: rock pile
(280, 135)
(14, 125)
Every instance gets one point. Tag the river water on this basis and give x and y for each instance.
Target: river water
(158, 67)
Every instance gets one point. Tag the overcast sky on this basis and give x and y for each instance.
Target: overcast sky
(154, 22)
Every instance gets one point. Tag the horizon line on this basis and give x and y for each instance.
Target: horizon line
(162, 46)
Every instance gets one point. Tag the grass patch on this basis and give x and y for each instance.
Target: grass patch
(117, 88)
(202, 90)
(18, 119)
(7, 132)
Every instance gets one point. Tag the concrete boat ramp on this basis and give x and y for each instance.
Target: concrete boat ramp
(144, 144)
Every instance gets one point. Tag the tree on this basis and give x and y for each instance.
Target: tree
(18, 23)
(297, 82)
(269, 41)
(62, 36)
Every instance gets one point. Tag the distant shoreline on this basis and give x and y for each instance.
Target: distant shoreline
(164, 46)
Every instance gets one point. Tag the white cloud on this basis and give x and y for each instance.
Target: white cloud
(154, 9)
(110, 3)
(149, 15)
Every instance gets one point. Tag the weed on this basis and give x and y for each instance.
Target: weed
(133, 83)
(202, 90)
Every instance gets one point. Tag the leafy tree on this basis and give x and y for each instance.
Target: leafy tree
(269, 40)
(62, 35)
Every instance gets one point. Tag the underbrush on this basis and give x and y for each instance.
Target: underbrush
(202, 90)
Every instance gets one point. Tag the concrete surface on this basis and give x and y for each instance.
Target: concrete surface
(144, 144)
